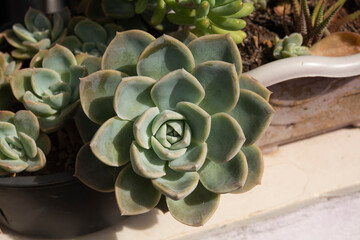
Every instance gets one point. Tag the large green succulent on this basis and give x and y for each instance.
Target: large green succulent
(87, 36)
(176, 121)
(7, 67)
(209, 17)
(290, 46)
(38, 33)
(50, 87)
(22, 145)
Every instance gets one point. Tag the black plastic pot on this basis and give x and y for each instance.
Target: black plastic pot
(54, 206)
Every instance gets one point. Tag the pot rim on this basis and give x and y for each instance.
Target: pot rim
(37, 181)
(306, 66)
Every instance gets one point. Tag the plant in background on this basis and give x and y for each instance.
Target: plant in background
(38, 33)
(87, 36)
(290, 46)
(209, 17)
(49, 88)
(258, 4)
(176, 121)
(22, 145)
(7, 67)
(312, 26)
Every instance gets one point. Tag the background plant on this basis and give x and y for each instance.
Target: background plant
(174, 122)
(7, 67)
(313, 25)
(38, 33)
(49, 88)
(290, 46)
(22, 145)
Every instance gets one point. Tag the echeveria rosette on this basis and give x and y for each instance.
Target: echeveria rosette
(87, 36)
(38, 33)
(50, 87)
(176, 121)
(7, 67)
(211, 17)
(290, 46)
(22, 145)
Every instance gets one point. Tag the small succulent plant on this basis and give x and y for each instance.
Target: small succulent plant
(209, 17)
(258, 4)
(312, 26)
(177, 120)
(87, 36)
(22, 145)
(7, 67)
(38, 33)
(290, 46)
(49, 88)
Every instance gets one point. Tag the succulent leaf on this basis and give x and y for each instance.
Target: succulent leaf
(97, 94)
(145, 162)
(258, 114)
(192, 160)
(153, 60)
(226, 138)
(175, 87)
(221, 85)
(143, 127)
(88, 30)
(255, 164)
(124, 50)
(249, 83)
(176, 185)
(93, 172)
(112, 142)
(27, 123)
(136, 92)
(59, 59)
(224, 177)
(135, 194)
(195, 209)
(198, 120)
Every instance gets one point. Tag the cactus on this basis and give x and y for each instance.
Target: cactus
(290, 46)
(175, 122)
(209, 17)
(49, 88)
(7, 67)
(22, 145)
(38, 33)
(87, 36)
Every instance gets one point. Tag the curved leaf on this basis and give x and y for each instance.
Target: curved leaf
(253, 114)
(196, 209)
(112, 142)
(124, 50)
(97, 94)
(223, 48)
(221, 85)
(192, 160)
(250, 83)
(142, 127)
(132, 97)
(145, 162)
(135, 194)
(59, 59)
(255, 164)
(94, 173)
(224, 177)
(88, 30)
(176, 185)
(175, 87)
(26, 122)
(225, 139)
(163, 56)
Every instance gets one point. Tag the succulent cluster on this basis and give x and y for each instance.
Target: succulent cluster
(22, 145)
(177, 120)
(290, 46)
(210, 17)
(49, 88)
(38, 33)
(7, 67)
(87, 36)
(313, 25)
